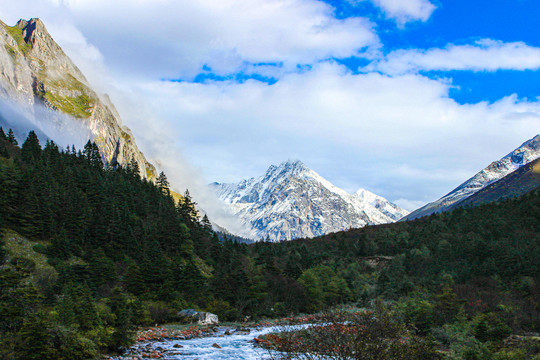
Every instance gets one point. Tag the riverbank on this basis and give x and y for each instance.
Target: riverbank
(170, 341)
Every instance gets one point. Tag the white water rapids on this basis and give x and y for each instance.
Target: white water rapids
(234, 347)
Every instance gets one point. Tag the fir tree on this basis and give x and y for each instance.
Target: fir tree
(133, 168)
(31, 150)
(162, 183)
(206, 224)
(11, 137)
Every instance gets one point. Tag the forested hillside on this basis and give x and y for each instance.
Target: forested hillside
(118, 251)
(89, 252)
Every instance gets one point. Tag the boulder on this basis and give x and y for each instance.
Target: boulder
(199, 317)
(206, 318)
(187, 313)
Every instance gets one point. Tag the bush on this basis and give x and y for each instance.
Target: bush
(160, 312)
(363, 335)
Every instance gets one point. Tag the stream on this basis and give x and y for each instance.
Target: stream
(234, 346)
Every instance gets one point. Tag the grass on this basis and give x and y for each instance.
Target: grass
(79, 107)
(18, 246)
(11, 52)
(16, 34)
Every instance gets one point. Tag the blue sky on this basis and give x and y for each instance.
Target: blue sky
(405, 98)
(456, 22)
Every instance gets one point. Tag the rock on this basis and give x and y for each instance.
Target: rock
(206, 318)
(187, 312)
(35, 73)
(216, 346)
(201, 318)
(178, 346)
(292, 201)
(187, 315)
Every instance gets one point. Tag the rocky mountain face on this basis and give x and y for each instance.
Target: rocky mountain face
(515, 184)
(36, 73)
(292, 201)
(526, 153)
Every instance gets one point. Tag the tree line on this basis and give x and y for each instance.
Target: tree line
(120, 253)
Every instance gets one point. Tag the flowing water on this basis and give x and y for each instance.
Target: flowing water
(240, 347)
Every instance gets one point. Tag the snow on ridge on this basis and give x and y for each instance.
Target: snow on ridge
(524, 154)
(292, 201)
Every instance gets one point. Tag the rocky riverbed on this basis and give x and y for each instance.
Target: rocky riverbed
(235, 341)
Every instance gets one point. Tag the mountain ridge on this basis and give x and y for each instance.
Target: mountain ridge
(522, 155)
(35, 72)
(292, 201)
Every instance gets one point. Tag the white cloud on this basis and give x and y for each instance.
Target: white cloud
(483, 55)
(393, 135)
(404, 11)
(171, 38)
(401, 136)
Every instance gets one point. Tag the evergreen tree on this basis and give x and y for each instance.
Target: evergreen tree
(186, 208)
(11, 137)
(162, 183)
(206, 224)
(133, 168)
(3, 150)
(3, 135)
(92, 154)
(35, 341)
(123, 322)
(31, 150)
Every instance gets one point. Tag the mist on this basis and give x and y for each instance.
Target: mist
(48, 124)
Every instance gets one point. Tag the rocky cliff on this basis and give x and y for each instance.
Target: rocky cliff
(292, 201)
(526, 153)
(35, 72)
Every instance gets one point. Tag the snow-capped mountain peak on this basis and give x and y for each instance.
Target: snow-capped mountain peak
(292, 201)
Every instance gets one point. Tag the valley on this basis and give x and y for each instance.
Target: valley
(99, 254)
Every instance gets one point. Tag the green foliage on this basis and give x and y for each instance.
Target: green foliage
(361, 335)
(102, 250)
(31, 150)
(17, 34)
(11, 137)
(11, 52)
(79, 106)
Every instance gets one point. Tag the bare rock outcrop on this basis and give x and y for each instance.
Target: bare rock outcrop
(35, 71)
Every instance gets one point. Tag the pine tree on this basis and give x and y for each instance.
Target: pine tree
(92, 155)
(186, 208)
(123, 326)
(11, 138)
(133, 168)
(206, 224)
(3, 151)
(3, 135)
(31, 150)
(163, 184)
(35, 341)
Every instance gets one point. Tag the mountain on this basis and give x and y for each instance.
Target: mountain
(520, 182)
(36, 74)
(527, 152)
(292, 201)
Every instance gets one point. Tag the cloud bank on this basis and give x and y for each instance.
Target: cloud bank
(390, 128)
(482, 55)
(404, 11)
(180, 37)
